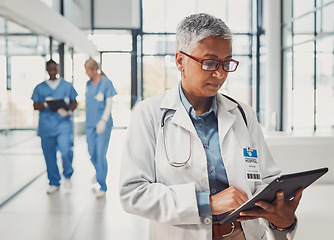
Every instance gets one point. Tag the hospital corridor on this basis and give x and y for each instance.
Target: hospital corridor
(159, 119)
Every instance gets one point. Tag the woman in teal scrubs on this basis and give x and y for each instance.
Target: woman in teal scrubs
(55, 128)
(99, 122)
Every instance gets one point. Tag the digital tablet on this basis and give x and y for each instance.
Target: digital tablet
(55, 104)
(288, 183)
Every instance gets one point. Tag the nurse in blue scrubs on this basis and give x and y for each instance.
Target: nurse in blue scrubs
(55, 128)
(99, 122)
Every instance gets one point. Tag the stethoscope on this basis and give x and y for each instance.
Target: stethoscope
(163, 130)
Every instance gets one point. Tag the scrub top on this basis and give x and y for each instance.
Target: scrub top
(96, 96)
(52, 123)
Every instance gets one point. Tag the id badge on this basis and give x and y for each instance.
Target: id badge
(252, 164)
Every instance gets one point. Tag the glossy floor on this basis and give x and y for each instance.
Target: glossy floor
(69, 214)
(77, 215)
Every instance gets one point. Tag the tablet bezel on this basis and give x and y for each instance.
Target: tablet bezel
(288, 183)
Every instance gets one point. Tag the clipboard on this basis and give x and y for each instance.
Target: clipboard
(288, 183)
(55, 104)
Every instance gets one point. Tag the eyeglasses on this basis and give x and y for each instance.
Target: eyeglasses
(212, 65)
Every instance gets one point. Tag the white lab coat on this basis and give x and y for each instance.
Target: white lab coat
(150, 187)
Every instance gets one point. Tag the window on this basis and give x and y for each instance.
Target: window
(308, 60)
(22, 66)
(160, 19)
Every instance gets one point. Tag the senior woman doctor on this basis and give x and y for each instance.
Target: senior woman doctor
(183, 162)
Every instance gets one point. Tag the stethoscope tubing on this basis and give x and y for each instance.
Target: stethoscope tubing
(162, 124)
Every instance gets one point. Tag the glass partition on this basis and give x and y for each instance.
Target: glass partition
(160, 19)
(308, 41)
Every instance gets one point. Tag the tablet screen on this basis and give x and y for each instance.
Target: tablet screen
(288, 183)
(55, 104)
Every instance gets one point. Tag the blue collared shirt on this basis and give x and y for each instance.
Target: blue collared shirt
(206, 126)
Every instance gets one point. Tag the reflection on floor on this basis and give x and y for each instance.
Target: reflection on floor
(21, 161)
(77, 215)
(70, 214)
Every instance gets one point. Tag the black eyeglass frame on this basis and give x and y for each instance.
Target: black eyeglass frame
(201, 60)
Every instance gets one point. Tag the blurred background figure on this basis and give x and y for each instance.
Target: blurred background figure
(99, 122)
(55, 128)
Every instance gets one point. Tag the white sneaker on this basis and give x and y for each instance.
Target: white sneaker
(68, 184)
(94, 180)
(100, 194)
(52, 189)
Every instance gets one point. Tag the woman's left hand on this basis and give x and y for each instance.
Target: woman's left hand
(280, 212)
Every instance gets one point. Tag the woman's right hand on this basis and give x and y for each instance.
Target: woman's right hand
(227, 200)
(101, 126)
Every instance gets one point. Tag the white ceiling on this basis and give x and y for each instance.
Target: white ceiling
(41, 19)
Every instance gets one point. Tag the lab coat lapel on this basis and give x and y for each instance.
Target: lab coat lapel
(231, 149)
(225, 118)
(181, 118)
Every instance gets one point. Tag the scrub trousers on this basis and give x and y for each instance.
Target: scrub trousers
(64, 143)
(97, 147)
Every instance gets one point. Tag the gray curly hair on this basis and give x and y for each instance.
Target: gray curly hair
(197, 27)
